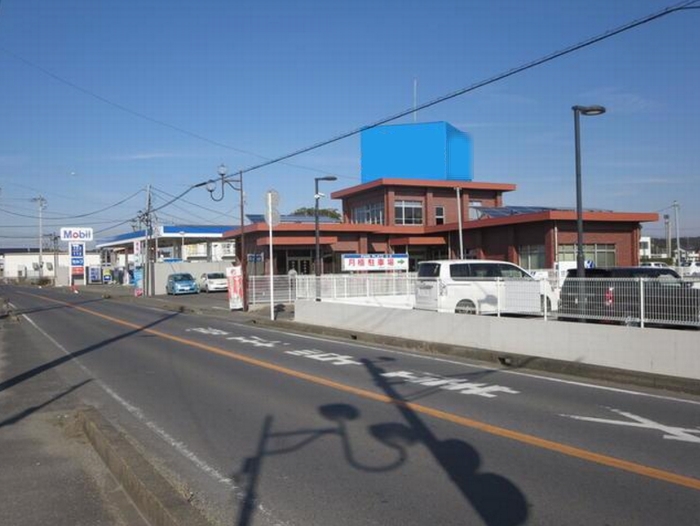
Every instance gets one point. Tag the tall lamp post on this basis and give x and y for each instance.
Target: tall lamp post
(317, 198)
(237, 184)
(589, 111)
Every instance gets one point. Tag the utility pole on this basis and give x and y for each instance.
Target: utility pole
(42, 204)
(148, 269)
(667, 224)
(676, 209)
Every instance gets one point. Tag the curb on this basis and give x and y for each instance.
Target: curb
(157, 500)
(499, 359)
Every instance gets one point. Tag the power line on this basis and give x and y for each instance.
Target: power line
(62, 217)
(143, 116)
(543, 60)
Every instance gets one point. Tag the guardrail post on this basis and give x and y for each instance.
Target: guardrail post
(641, 299)
(544, 299)
(498, 297)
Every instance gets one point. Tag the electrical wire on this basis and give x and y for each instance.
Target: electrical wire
(509, 73)
(145, 117)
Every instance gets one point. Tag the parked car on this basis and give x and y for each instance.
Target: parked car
(615, 295)
(181, 283)
(213, 281)
(480, 287)
(658, 264)
(691, 269)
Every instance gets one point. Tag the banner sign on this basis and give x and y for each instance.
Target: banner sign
(234, 277)
(76, 234)
(367, 262)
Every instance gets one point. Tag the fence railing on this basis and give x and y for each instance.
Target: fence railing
(334, 286)
(630, 301)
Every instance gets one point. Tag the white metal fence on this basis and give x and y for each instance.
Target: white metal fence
(630, 301)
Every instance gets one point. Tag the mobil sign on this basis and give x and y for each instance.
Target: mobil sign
(76, 234)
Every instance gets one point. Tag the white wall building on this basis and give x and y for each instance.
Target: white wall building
(25, 265)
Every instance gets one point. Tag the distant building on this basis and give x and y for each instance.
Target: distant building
(417, 182)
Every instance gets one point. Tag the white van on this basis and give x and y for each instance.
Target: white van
(477, 286)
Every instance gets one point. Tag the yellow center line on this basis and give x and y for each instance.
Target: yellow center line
(524, 438)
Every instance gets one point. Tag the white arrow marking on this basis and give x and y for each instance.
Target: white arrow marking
(671, 433)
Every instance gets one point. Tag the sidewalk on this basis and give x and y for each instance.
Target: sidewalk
(50, 474)
(64, 464)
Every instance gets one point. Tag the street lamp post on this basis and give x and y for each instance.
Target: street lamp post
(317, 261)
(237, 185)
(588, 111)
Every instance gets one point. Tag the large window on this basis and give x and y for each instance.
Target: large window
(601, 254)
(408, 212)
(532, 256)
(369, 214)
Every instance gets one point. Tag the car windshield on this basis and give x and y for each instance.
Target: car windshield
(182, 277)
(216, 275)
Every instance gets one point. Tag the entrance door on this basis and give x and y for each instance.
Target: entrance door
(302, 265)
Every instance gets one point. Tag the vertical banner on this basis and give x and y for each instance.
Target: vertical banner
(234, 278)
(138, 281)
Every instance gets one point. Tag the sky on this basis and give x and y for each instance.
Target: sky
(99, 100)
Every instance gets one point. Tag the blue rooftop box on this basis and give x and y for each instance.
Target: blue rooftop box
(433, 150)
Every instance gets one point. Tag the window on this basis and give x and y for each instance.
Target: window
(474, 212)
(601, 254)
(429, 270)
(408, 213)
(459, 270)
(511, 271)
(369, 214)
(532, 256)
(439, 215)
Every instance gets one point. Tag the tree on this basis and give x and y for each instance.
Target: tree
(322, 212)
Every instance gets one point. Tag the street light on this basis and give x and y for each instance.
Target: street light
(232, 182)
(317, 197)
(589, 111)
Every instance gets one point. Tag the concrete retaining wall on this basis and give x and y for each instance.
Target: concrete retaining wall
(665, 352)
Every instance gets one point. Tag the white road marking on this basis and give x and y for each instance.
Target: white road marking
(137, 413)
(479, 367)
(321, 356)
(452, 384)
(681, 434)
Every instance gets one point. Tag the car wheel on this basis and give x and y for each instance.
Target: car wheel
(465, 307)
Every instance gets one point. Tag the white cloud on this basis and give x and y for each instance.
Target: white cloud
(619, 101)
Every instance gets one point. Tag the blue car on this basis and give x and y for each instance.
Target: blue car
(182, 283)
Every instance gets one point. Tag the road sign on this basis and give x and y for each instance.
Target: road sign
(272, 215)
(374, 262)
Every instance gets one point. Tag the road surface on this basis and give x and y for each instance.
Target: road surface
(265, 427)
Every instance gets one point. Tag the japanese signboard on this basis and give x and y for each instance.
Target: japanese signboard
(374, 262)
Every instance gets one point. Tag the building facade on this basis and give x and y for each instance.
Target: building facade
(421, 218)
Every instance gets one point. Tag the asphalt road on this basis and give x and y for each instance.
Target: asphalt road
(265, 427)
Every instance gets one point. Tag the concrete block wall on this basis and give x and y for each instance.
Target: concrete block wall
(654, 351)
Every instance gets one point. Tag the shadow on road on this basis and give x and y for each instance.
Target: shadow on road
(30, 410)
(496, 499)
(6, 384)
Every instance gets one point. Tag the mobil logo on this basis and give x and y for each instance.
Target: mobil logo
(76, 234)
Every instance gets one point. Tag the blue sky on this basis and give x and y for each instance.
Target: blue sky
(100, 99)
